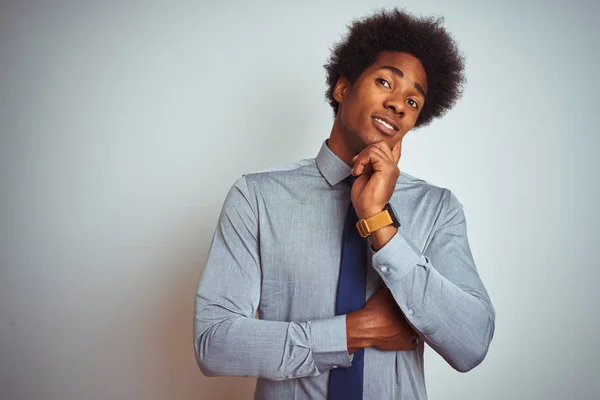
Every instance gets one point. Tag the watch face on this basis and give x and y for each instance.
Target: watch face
(395, 220)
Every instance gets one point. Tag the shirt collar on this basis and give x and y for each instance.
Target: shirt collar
(333, 169)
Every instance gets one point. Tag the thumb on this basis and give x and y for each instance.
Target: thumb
(397, 151)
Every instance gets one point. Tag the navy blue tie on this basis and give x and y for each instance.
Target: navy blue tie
(347, 383)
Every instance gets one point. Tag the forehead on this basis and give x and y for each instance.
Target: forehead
(410, 66)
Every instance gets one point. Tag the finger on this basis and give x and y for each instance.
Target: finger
(370, 160)
(383, 146)
(377, 153)
(397, 151)
(360, 161)
(374, 156)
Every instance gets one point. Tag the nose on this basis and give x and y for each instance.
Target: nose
(396, 105)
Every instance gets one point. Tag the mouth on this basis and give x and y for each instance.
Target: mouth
(385, 125)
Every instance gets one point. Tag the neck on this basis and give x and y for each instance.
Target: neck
(338, 142)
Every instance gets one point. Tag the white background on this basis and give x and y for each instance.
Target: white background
(123, 125)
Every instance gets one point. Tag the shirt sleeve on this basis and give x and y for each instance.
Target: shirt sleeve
(228, 339)
(439, 291)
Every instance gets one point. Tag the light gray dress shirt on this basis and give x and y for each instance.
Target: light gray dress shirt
(276, 252)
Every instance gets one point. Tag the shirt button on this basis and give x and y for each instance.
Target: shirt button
(410, 311)
(383, 269)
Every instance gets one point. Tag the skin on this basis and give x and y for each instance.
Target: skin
(393, 88)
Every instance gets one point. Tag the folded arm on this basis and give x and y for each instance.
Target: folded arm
(228, 339)
(439, 291)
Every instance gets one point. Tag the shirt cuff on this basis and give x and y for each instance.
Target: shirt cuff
(397, 258)
(329, 343)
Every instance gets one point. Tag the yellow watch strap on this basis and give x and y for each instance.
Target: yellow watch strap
(366, 226)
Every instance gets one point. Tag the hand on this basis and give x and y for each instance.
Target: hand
(377, 169)
(381, 324)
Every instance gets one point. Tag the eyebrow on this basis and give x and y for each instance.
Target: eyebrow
(396, 71)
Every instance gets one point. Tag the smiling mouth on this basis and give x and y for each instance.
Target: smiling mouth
(384, 123)
(384, 127)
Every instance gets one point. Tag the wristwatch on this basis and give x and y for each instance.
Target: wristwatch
(366, 226)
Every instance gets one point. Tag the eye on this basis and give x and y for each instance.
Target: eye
(412, 103)
(383, 83)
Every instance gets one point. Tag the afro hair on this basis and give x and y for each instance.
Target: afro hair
(399, 31)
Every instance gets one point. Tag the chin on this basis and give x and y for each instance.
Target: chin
(377, 137)
(361, 141)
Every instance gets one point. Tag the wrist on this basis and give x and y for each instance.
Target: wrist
(378, 226)
(357, 332)
(382, 236)
(364, 214)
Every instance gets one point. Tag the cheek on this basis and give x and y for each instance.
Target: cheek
(415, 117)
(357, 109)
(351, 112)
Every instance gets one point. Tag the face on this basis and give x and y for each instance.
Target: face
(383, 103)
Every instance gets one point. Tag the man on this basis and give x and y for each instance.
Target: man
(287, 246)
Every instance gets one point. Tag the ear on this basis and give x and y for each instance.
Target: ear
(341, 89)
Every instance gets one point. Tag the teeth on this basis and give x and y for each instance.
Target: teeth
(384, 123)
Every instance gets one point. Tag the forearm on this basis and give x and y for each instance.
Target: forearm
(230, 345)
(457, 322)
(228, 340)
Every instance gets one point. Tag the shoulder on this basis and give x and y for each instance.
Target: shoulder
(289, 169)
(410, 182)
(249, 184)
(268, 177)
(443, 200)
